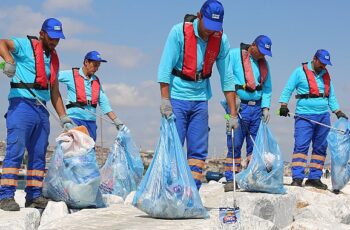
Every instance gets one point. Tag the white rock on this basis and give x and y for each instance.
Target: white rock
(52, 212)
(129, 198)
(277, 209)
(20, 197)
(26, 219)
(306, 224)
(110, 199)
(222, 180)
(212, 194)
(247, 222)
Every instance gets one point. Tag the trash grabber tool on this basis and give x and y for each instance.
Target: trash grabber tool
(246, 128)
(231, 215)
(316, 122)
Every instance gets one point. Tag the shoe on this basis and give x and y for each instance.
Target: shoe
(9, 204)
(297, 182)
(229, 186)
(316, 183)
(39, 202)
(336, 191)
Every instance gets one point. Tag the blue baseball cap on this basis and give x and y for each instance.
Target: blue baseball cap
(264, 43)
(213, 15)
(53, 28)
(323, 56)
(94, 56)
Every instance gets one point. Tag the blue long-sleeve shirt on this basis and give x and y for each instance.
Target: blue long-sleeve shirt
(66, 77)
(235, 65)
(172, 57)
(298, 82)
(25, 70)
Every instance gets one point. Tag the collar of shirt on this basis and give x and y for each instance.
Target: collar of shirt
(81, 73)
(309, 66)
(195, 28)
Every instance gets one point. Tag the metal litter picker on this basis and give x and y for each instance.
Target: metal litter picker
(231, 215)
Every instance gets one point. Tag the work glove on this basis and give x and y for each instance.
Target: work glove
(266, 115)
(10, 69)
(118, 123)
(165, 108)
(340, 114)
(231, 123)
(66, 123)
(284, 111)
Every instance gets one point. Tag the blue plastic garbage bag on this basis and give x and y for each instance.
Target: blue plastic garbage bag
(265, 170)
(339, 146)
(168, 189)
(123, 170)
(73, 175)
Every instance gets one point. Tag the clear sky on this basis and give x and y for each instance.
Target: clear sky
(131, 36)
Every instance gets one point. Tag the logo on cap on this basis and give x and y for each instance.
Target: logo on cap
(215, 16)
(326, 57)
(267, 46)
(57, 28)
(98, 56)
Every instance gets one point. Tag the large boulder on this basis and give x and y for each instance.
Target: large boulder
(53, 212)
(26, 219)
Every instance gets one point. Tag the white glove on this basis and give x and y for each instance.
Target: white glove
(66, 123)
(231, 123)
(165, 108)
(10, 69)
(118, 123)
(266, 115)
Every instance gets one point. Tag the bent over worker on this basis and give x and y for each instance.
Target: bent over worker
(252, 81)
(315, 94)
(85, 93)
(185, 67)
(32, 63)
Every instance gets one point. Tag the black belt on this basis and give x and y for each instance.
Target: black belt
(251, 102)
(79, 104)
(306, 96)
(199, 75)
(244, 87)
(22, 85)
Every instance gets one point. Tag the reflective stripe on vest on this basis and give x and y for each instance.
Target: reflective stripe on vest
(313, 87)
(40, 73)
(248, 71)
(189, 65)
(80, 89)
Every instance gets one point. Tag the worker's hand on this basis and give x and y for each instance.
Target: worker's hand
(340, 114)
(10, 69)
(284, 111)
(66, 123)
(266, 115)
(231, 123)
(165, 108)
(118, 123)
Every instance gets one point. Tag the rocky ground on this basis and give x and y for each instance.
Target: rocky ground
(300, 208)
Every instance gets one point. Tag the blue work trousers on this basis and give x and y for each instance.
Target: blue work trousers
(249, 124)
(90, 125)
(192, 125)
(28, 128)
(306, 132)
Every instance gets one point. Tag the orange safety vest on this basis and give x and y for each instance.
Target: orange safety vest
(250, 85)
(313, 87)
(189, 65)
(81, 99)
(41, 82)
